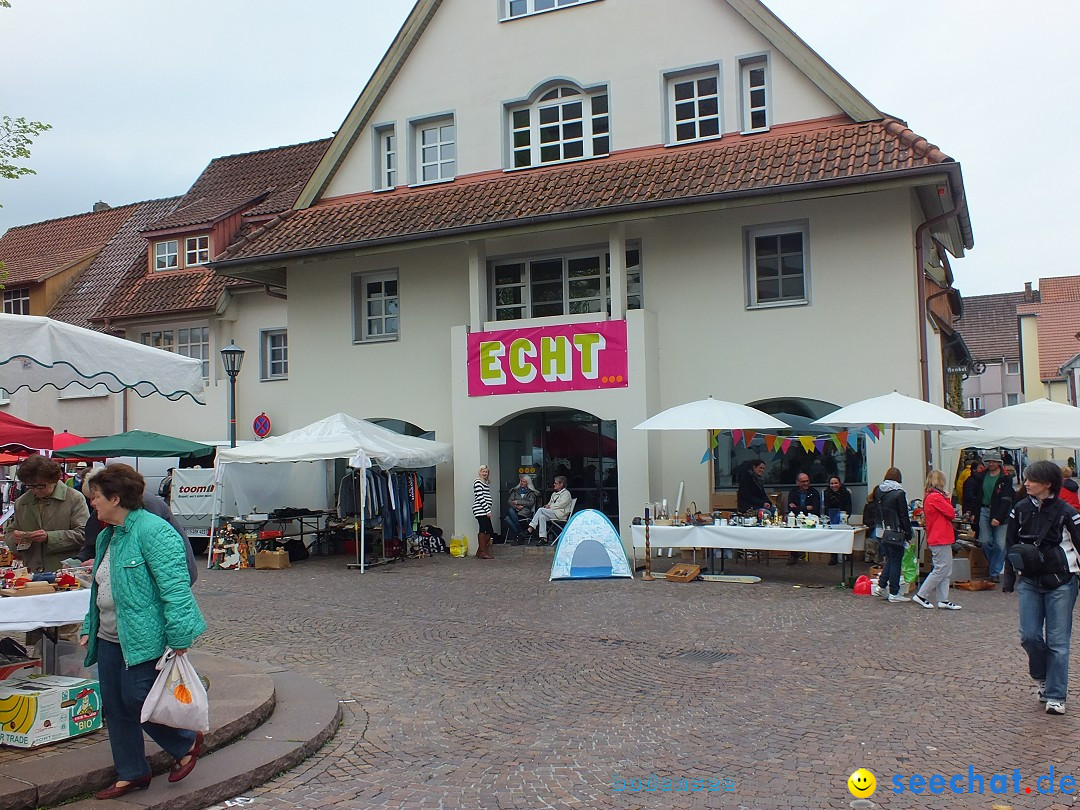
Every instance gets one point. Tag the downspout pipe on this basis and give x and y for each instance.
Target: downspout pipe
(920, 274)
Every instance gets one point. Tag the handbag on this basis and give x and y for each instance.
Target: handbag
(178, 698)
(1026, 557)
(890, 516)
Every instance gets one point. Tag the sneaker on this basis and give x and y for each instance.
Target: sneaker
(877, 590)
(1055, 707)
(1040, 691)
(948, 606)
(899, 597)
(995, 579)
(918, 600)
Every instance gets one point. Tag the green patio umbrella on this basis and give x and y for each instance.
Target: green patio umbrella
(139, 443)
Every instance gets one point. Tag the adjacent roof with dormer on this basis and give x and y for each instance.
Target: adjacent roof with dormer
(1058, 323)
(828, 152)
(989, 326)
(33, 253)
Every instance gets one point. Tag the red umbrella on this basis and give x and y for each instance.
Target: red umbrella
(65, 439)
(7, 458)
(25, 434)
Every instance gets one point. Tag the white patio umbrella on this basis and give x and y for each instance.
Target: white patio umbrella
(712, 414)
(36, 352)
(897, 411)
(1039, 423)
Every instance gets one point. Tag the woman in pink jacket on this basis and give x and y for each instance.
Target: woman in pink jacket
(938, 513)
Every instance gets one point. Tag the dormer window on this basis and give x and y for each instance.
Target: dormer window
(523, 8)
(166, 255)
(196, 250)
(565, 123)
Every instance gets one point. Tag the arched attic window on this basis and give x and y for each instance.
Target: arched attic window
(561, 124)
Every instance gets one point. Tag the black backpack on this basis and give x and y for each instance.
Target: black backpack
(872, 511)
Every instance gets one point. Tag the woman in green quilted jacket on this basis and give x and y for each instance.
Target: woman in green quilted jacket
(140, 603)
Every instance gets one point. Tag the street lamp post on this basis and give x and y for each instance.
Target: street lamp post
(232, 357)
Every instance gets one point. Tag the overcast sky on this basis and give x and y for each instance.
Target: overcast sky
(142, 95)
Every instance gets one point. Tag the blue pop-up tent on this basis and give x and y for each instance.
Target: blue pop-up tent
(590, 548)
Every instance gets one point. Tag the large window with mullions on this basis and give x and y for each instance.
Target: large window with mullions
(571, 283)
(565, 123)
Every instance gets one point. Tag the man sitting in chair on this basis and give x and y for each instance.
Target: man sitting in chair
(522, 503)
(558, 508)
(803, 499)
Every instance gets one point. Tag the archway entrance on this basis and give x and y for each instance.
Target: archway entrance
(571, 443)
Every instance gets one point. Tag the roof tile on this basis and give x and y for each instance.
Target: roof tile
(1058, 320)
(989, 326)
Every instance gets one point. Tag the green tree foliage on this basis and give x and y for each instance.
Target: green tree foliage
(16, 135)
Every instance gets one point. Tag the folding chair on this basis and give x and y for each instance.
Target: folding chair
(555, 527)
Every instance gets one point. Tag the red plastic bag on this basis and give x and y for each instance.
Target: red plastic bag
(862, 586)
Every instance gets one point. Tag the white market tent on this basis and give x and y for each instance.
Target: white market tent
(363, 443)
(1040, 423)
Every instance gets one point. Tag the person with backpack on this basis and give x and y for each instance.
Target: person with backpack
(893, 532)
(1042, 564)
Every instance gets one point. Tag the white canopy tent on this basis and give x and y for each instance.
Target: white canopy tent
(36, 352)
(363, 443)
(1040, 423)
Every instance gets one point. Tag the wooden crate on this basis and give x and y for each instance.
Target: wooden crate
(683, 572)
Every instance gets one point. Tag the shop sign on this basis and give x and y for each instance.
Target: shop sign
(569, 357)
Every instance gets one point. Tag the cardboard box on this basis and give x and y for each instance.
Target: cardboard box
(40, 709)
(14, 669)
(272, 560)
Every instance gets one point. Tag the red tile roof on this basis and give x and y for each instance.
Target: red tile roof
(232, 182)
(226, 184)
(33, 253)
(98, 281)
(829, 150)
(1058, 323)
(989, 326)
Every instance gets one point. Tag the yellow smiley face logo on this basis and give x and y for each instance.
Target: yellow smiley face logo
(862, 784)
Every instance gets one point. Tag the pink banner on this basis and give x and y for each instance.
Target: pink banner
(570, 357)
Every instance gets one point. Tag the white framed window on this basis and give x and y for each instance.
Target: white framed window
(778, 264)
(5, 397)
(1012, 367)
(166, 255)
(17, 301)
(511, 9)
(196, 250)
(565, 123)
(385, 157)
(79, 392)
(754, 80)
(275, 354)
(1012, 399)
(974, 403)
(693, 110)
(375, 306)
(574, 283)
(436, 150)
(189, 341)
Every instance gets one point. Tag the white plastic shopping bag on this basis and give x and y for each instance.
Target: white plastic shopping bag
(177, 698)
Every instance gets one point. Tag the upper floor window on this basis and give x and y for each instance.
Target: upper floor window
(974, 404)
(565, 123)
(375, 306)
(189, 341)
(275, 354)
(1012, 367)
(385, 157)
(778, 261)
(196, 250)
(572, 284)
(17, 301)
(166, 255)
(1012, 399)
(693, 106)
(436, 150)
(755, 94)
(521, 8)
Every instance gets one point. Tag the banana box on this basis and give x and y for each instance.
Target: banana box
(40, 709)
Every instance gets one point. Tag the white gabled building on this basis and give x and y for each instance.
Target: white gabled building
(543, 222)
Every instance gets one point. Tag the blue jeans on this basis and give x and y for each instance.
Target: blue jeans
(1047, 650)
(514, 521)
(890, 568)
(123, 690)
(993, 542)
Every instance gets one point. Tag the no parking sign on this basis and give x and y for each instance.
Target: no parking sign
(261, 426)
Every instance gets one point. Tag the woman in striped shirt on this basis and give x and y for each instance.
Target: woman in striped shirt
(481, 509)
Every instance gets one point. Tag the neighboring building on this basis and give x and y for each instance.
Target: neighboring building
(531, 264)
(991, 332)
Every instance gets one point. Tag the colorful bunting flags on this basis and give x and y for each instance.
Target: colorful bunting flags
(785, 445)
(736, 436)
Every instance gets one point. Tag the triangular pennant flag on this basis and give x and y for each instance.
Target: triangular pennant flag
(715, 439)
(705, 458)
(785, 445)
(736, 436)
(870, 432)
(819, 444)
(807, 443)
(841, 439)
(853, 439)
(770, 442)
(749, 436)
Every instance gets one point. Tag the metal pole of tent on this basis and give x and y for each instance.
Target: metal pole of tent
(363, 513)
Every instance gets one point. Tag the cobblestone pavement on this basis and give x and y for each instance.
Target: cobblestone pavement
(476, 684)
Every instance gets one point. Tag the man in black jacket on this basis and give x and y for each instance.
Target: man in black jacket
(803, 499)
(994, 490)
(1047, 582)
(752, 494)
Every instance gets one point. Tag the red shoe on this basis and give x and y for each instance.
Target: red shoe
(178, 771)
(116, 791)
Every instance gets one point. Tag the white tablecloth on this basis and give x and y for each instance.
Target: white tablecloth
(20, 614)
(763, 538)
